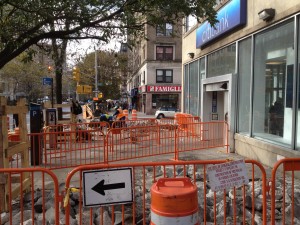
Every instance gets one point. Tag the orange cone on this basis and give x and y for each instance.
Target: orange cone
(134, 115)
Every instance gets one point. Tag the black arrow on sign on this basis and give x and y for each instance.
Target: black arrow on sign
(100, 187)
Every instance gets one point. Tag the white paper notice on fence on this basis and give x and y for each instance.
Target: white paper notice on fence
(227, 175)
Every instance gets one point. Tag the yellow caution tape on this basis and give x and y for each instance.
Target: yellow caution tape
(67, 197)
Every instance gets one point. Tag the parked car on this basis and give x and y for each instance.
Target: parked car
(165, 112)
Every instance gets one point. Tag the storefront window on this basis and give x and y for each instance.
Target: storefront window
(194, 87)
(298, 94)
(186, 88)
(244, 82)
(221, 62)
(164, 100)
(273, 78)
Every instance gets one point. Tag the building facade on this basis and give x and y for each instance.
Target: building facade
(156, 67)
(246, 70)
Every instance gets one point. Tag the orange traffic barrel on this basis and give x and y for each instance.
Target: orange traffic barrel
(134, 115)
(17, 130)
(174, 201)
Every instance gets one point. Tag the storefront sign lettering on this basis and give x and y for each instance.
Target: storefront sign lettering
(231, 16)
(163, 88)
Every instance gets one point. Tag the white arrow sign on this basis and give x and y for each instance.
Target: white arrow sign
(107, 187)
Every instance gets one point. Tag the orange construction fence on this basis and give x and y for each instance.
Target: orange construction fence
(123, 192)
(285, 192)
(26, 201)
(65, 146)
(108, 194)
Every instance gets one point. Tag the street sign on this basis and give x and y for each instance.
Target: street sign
(47, 81)
(107, 187)
(87, 89)
(79, 89)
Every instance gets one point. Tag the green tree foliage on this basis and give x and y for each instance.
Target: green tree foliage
(25, 77)
(111, 71)
(28, 22)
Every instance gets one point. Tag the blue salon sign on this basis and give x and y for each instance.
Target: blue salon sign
(231, 16)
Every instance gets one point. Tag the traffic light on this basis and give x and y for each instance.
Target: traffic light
(76, 74)
(100, 95)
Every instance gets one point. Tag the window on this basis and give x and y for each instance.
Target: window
(144, 78)
(164, 76)
(221, 62)
(273, 79)
(165, 100)
(186, 88)
(194, 87)
(164, 52)
(164, 30)
(244, 86)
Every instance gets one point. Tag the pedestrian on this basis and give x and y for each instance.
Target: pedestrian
(76, 109)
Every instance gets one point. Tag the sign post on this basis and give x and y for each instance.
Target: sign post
(107, 187)
(49, 81)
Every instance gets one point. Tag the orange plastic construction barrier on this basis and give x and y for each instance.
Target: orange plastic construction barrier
(174, 201)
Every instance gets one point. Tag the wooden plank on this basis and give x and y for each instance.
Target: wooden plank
(21, 147)
(15, 109)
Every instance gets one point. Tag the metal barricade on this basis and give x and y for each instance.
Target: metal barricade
(34, 200)
(104, 196)
(202, 135)
(65, 147)
(133, 142)
(285, 192)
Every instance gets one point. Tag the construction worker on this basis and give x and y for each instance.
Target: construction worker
(119, 115)
(106, 118)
